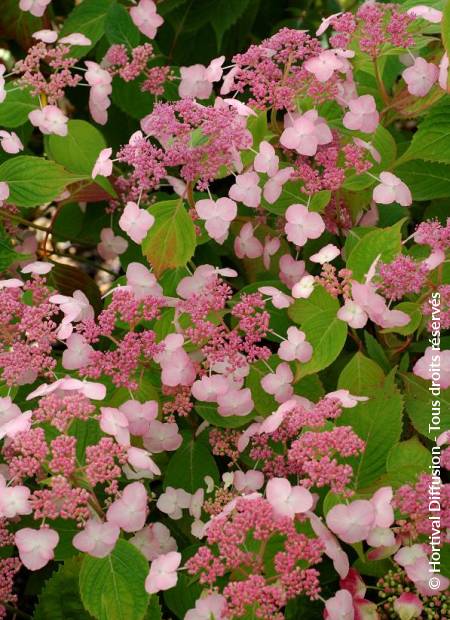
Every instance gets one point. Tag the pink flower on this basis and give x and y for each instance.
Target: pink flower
(95, 391)
(139, 415)
(382, 502)
(35, 7)
(38, 267)
(2, 83)
(266, 160)
(97, 539)
(340, 606)
(173, 501)
(305, 133)
(433, 362)
(36, 547)
(235, 402)
(10, 142)
(75, 309)
(111, 245)
(15, 425)
(391, 189)
(295, 347)
(325, 23)
(249, 481)
(246, 245)
(75, 38)
(419, 573)
(279, 383)
(271, 247)
(4, 191)
(218, 215)
(324, 65)
(304, 288)
(274, 186)
(48, 36)
(209, 607)
(141, 461)
(162, 437)
(14, 500)
(302, 224)
(146, 18)
(370, 148)
(77, 353)
(363, 115)
(142, 282)
(194, 82)
(49, 120)
(114, 422)
(154, 540)
(163, 572)
(241, 108)
(286, 500)
(103, 164)
(214, 70)
(278, 299)
(408, 605)
(246, 189)
(428, 13)
(130, 511)
(420, 77)
(291, 270)
(209, 388)
(352, 522)
(352, 314)
(443, 73)
(136, 222)
(100, 81)
(346, 399)
(332, 548)
(326, 254)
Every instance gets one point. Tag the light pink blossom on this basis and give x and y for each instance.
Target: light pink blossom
(235, 402)
(49, 120)
(302, 224)
(146, 18)
(130, 511)
(36, 547)
(303, 288)
(246, 245)
(428, 13)
(391, 189)
(287, 500)
(324, 65)
(340, 606)
(136, 222)
(47, 36)
(35, 7)
(142, 281)
(173, 501)
(114, 422)
(10, 142)
(194, 82)
(408, 605)
(291, 270)
(305, 133)
(139, 415)
(210, 607)
(277, 297)
(154, 540)
(295, 347)
(103, 164)
(434, 362)
(352, 522)
(77, 353)
(162, 436)
(420, 77)
(325, 254)
(217, 214)
(266, 161)
(362, 114)
(278, 383)
(14, 500)
(163, 572)
(246, 189)
(111, 245)
(214, 70)
(97, 539)
(274, 186)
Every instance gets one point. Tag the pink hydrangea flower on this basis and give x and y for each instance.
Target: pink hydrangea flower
(77, 353)
(248, 481)
(142, 282)
(130, 511)
(100, 81)
(303, 288)
(362, 115)
(305, 133)
(103, 164)
(37, 267)
(97, 539)
(214, 70)
(326, 23)
(340, 606)
(10, 142)
(246, 245)
(162, 436)
(141, 461)
(173, 501)
(332, 548)
(209, 388)
(346, 399)
(136, 222)
(278, 383)
(277, 297)
(391, 189)
(49, 120)
(217, 214)
(420, 77)
(302, 224)
(429, 13)
(35, 7)
(326, 254)
(432, 361)
(194, 82)
(111, 246)
(266, 161)
(48, 36)
(295, 347)
(139, 415)
(324, 65)
(274, 186)
(352, 314)
(4, 191)
(235, 402)
(146, 18)
(163, 572)
(443, 73)
(14, 500)
(352, 522)
(291, 270)
(36, 547)
(114, 422)
(408, 605)
(75, 38)
(246, 189)
(154, 540)
(287, 500)
(210, 607)
(75, 309)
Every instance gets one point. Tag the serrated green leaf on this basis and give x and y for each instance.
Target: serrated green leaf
(408, 454)
(426, 180)
(431, 141)
(119, 27)
(419, 404)
(33, 181)
(384, 242)
(190, 464)
(170, 242)
(362, 376)
(112, 588)
(18, 104)
(319, 301)
(376, 351)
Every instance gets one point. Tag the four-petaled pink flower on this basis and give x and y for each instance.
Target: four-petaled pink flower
(352, 522)
(278, 383)
(391, 189)
(111, 245)
(218, 214)
(305, 132)
(246, 245)
(295, 347)
(194, 82)
(36, 547)
(10, 142)
(136, 222)
(97, 539)
(362, 114)
(302, 224)
(35, 7)
(142, 281)
(324, 65)
(103, 164)
(266, 160)
(246, 189)
(146, 18)
(163, 572)
(420, 77)
(49, 120)
(130, 511)
(287, 500)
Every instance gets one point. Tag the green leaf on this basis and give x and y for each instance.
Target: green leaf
(18, 104)
(33, 181)
(129, 97)
(112, 588)
(170, 242)
(208, 411)
(7, 254)
(88, 18)
(190, 464)
(378, 422)
(446, 27)
(327, 335)
(419, 405)
(410, 456)
(383, 242)
(87, 433)
(361, 376)
(431, 141)
(78, 151)
(119, 27)
(376, 351)
(60, 596)
(154, 609)
(426, 180)
(319, 301)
